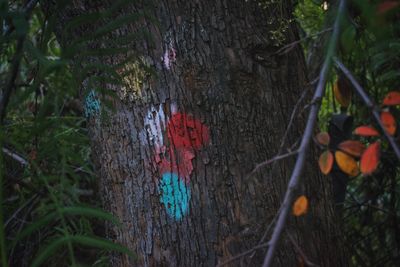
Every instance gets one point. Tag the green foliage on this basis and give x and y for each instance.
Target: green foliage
(310, 16)
(50, 214)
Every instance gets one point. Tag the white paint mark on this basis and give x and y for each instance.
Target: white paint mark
(154, 126)
(169, 57)
(174, 108)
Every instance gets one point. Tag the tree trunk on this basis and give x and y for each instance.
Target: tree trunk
(174, 152)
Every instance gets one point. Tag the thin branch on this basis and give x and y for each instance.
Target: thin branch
(300, 251)
(243, 254)
(368, 102)
(307, 136)
(279, 155)
(267, 162)
(15, 156)
(292, 117)
(266, 232)
(14, 215)
(288, 47)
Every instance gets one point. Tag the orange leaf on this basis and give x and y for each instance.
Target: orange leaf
(323, 138)
(392, 99)
(370, 159)
(300, 206)
(352, 147)
(346, 163)
(342, 91)
(325, 162)
(366, 131)
(388, 122)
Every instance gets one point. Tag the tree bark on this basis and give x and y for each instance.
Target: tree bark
(174, 152)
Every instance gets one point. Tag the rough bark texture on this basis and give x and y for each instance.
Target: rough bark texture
(215, 67)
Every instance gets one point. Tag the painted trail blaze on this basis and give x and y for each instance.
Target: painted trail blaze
(92, 104)
(175, 195)
(186, 132)
(184, 135)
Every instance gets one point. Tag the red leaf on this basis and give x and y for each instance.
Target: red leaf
(366, 131)
(387, 6)
(392, 99)
(352, 147)
(325, 162)
(370, 159)
(323, 138)
(388, 122)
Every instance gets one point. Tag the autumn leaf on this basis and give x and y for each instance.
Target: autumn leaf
(352, 147)
(366, 131)
(342, 91)
(387, 6)
(323, 138)
(347, 163)
(300, 206)
(325, 162)
(370, 159)
(388, 122)
(392, 99)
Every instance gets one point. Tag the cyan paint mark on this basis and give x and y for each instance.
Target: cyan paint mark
(92, 104)
(175, 195)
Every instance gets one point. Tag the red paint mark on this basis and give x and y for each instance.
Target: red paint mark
(179, 162)
(186, 132)
(185, 135)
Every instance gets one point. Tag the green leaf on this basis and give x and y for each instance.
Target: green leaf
(100, 243)
(82, 211)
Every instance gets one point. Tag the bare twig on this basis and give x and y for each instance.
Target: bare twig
(300, 251)
(312, 117)
(14, 215)
(368, 102)
(279, 155)
(267, 162)
(266, 233)
(243, 254)
(290, 46)
(292, 117)
(15, 156)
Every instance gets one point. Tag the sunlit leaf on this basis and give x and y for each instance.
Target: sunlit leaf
(388, 122)
(366, 131)
(352, 147)
(300, 206)
(325, 162)
(392, 99)
(347, 163)
(342, 91)
(323, 138)
(370, 159)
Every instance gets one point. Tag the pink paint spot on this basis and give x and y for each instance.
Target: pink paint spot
(186, 132)
(169, 57)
